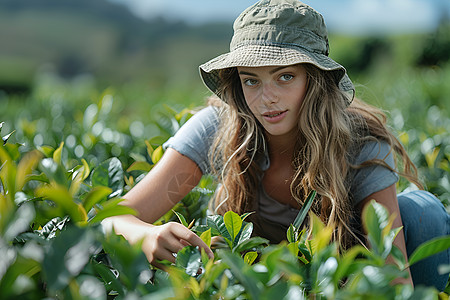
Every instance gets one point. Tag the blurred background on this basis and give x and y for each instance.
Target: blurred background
(96, 74)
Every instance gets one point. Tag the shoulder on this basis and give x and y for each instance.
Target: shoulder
(196, 136)
(203, 123)
(369, 176)
(373, 149)
(208, 114)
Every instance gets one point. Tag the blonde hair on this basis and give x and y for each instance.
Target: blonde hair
(330, 132)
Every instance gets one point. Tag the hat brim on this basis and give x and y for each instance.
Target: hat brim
(271, 55)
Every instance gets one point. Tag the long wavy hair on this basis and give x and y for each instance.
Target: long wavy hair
(330, 132)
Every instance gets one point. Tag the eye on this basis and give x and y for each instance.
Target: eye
(250, 82)
(286, 77)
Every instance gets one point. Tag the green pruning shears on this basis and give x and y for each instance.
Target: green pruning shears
(304, 210)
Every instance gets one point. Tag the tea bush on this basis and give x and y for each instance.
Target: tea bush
(53, 198)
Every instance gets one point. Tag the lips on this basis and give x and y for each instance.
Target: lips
(271, 115)
(274, 116)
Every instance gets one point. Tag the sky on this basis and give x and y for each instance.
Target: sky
(350, 16)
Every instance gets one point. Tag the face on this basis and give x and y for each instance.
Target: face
(275, 94)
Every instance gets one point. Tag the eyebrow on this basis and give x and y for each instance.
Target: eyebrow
(270, 72)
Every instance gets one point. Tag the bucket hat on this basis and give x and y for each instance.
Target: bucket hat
(274, 33)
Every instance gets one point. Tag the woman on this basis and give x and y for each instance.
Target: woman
(288, 124)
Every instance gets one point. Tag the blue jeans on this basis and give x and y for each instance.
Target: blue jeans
(424, 217)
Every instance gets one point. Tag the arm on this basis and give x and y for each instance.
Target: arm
(166, 184)
(388, 198)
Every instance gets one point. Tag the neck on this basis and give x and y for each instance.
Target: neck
(281, 148)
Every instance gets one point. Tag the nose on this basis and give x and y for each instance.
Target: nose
(269, 94)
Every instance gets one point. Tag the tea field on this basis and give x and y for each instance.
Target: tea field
(71, 149)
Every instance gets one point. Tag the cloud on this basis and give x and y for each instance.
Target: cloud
(357, 16)
(351, 16)
(194, 11)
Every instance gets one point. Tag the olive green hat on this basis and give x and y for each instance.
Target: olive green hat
(274, 33)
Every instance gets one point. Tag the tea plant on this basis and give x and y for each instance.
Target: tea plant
(54, 195)
(52, 244)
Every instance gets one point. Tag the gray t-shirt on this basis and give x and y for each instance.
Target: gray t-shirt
(194, 139)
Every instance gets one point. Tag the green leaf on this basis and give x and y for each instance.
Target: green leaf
(109, 173)
(109, 278)
(233, 224)
(189, 258)
(129, 260)
(46, 150)
(326, 270)
(23, 267)
(157, 154)
(63, 199)
(6, 137)
(90, 288)
(238, 269)
(181, 218)
(304, 210)
(149, 148)
(279, 291)
(13, 150)
(217, 225)
(347, 260)
(57, 153)
(86, 169)
(54, 171)
(8, 171)
(375, 218)
(140, 166)
(52, 227)
(184, 114)
(67, 255)
(246, 233)
(305, 251)
(430, 248)
(398, 257)
(20, 222)
(290, 234)
(26, 165)
(250, 244)
(96, 195)
(245, 215)
(110, 211)
(206, 237)
(250, 257)
(41, 177)
(293, 247)
(389, 241)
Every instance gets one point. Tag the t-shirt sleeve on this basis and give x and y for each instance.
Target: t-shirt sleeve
(195, 137)
(368, 180)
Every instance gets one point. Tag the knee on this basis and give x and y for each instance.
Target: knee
(423, 212)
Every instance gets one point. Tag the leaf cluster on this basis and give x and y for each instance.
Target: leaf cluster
(52, 244)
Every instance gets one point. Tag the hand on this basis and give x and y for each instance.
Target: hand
(162, 242)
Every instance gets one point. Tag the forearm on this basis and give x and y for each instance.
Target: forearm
(388, 198)
(129, 226)
(165, 185)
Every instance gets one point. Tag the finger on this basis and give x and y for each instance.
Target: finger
(173, 244)
(165, 239)
(165, 255)
(191, 238)
(185, 243)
